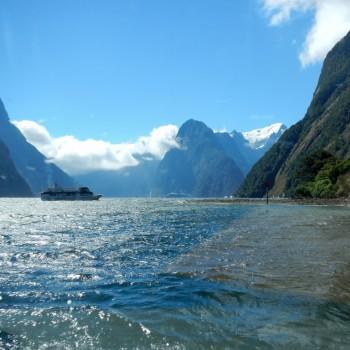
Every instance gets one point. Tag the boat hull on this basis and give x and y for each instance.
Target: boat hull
(70, 198)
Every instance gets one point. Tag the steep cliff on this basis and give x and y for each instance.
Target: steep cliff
(325, 128)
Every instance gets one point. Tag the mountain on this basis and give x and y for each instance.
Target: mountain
(200, 167)
(209, 164)
(11, 183)
(312, 157)
(30, 163)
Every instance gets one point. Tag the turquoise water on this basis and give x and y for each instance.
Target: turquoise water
(173, 274)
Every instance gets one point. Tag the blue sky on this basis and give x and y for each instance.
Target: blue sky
(114, 70)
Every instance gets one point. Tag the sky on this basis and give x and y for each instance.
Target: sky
(116, 72)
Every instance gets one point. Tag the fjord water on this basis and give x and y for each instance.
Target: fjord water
(173, 274)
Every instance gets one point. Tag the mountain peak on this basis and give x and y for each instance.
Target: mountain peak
(3, 112)
(30, 163)
(193, 124)
(258, 138)
(193, 130)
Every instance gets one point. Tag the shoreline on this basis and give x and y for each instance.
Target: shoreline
(344, 202)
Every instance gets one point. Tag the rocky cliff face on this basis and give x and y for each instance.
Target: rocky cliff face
(11, 183)
(325, 128)
(29, 162)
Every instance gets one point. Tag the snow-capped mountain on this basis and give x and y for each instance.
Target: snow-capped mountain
(264, 137)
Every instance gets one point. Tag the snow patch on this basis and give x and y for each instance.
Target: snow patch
(258, 138)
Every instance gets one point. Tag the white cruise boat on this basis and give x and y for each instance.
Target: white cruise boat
(57, 193)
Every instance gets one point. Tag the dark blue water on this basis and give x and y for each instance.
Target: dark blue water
(170, 274)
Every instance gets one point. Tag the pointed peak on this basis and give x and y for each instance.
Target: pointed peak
(267, 130)
(258, 138)
(3, 112)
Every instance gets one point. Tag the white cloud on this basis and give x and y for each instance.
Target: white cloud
(221, 130)
(331, 23)
(83, 156)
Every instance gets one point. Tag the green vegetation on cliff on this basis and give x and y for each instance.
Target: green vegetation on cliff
(321, 175)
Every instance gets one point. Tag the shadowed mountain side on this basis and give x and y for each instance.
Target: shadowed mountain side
(238, 149)
(30, 163)
(200, 167)
(325, 127)
(11, 183)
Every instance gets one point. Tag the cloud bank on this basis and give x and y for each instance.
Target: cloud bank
(84, 156)
(331, 23)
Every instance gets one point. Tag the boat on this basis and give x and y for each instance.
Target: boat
(57, 193)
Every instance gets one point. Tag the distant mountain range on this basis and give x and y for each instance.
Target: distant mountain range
(312, 158)
(206, 164)
(32, 166)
